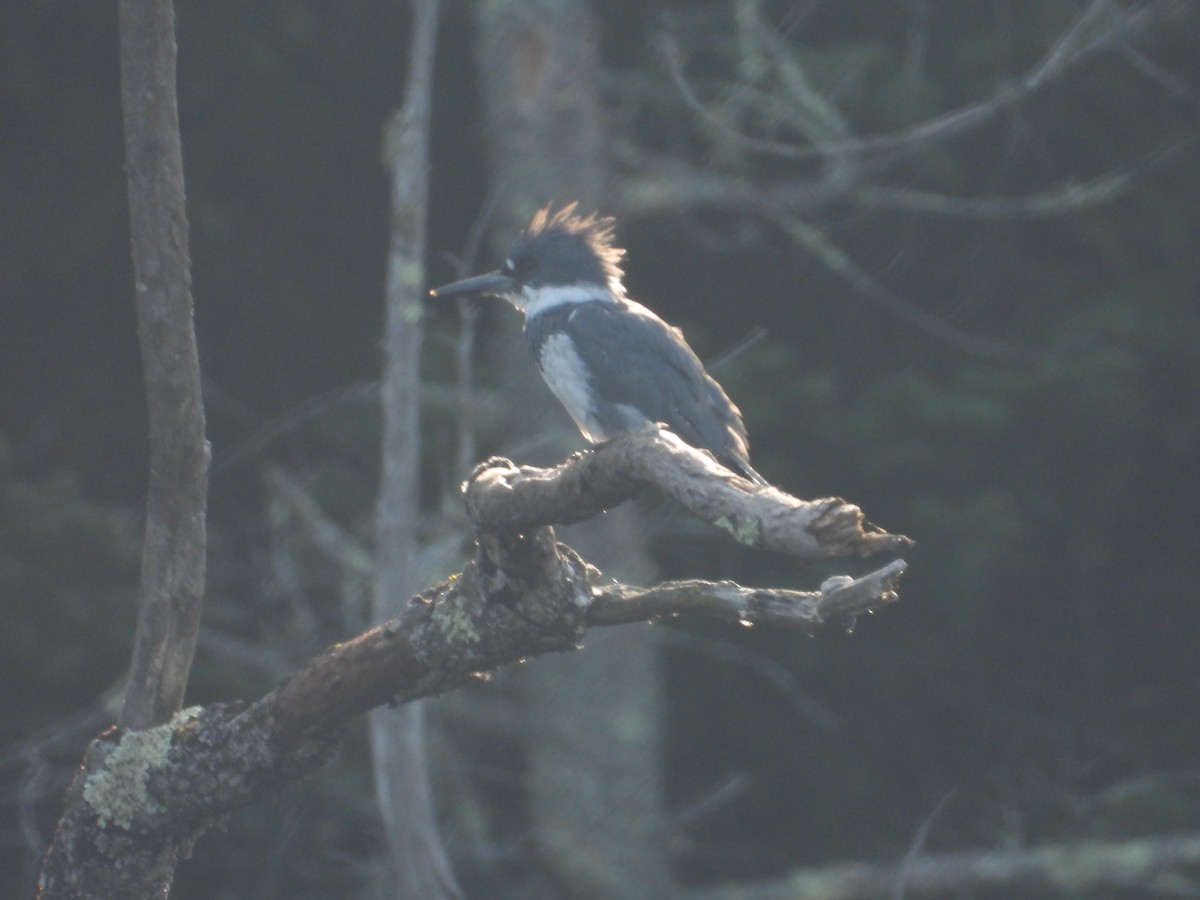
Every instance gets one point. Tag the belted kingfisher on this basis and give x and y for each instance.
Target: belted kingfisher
(614, 365)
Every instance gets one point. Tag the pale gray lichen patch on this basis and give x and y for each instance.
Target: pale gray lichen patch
(581, 594)
(118, 792)
(744, 529)
(456, 617)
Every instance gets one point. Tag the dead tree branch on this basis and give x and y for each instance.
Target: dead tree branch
(501, 495)
(144, 797)
(838, 601)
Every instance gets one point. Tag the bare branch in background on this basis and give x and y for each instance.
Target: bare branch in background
(775, 99)
(417, 864)
(735, 655)
(839, 262)
(464, 355)
(1143, 867)
(1091, 35)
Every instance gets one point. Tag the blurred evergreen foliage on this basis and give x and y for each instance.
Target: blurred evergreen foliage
(68, 571)
(1042, 663)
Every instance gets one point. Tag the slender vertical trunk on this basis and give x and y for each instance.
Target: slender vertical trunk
(418, 866)
(79, 863)
(173, 554)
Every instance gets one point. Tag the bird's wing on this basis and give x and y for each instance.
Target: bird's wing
(659, 373)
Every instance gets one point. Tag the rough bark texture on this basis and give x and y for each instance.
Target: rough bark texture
(144, 797)
(417, 863)
(591, 482)
(172, 587)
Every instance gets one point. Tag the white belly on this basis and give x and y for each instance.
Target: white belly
(568, 377)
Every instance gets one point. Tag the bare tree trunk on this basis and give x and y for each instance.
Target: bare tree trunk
(173, 551)
(172, 591)
(417, 863)
(590, 724)
(545, 127)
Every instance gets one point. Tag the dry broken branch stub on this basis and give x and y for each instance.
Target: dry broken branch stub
(501, 495)
(838, 602)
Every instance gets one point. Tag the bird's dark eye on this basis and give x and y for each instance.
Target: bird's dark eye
(517, 267)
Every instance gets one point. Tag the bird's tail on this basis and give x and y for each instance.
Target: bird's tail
(746, 470)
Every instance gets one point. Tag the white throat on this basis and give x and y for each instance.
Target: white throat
(534, 300)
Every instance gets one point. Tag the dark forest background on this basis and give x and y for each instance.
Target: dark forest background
(1035, 426)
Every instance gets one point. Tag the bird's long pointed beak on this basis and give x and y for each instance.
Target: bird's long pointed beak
(491, 283)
